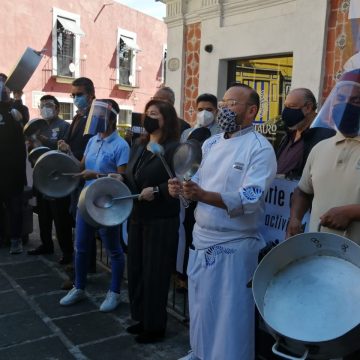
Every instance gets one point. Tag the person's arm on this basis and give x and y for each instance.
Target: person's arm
(302, 198)
(300, 204)
(247, 198)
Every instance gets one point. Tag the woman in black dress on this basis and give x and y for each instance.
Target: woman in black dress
(153, 225)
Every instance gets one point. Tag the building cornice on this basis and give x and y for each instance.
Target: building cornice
(177, 13)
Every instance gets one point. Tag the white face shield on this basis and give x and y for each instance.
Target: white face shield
(341, 110)
(98, 119)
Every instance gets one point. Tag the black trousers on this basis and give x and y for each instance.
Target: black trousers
(151, 260)
(57, 210)
(11, 214)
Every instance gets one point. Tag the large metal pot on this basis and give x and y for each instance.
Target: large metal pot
(99, 216)
(307, 290)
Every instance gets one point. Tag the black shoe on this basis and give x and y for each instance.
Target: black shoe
(66, 259)
(41, 250)
(135, 329)
(67, 285)
(150, 337)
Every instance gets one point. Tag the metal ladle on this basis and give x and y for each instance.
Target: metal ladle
(106, 201)
(55, 175)
(159, 151)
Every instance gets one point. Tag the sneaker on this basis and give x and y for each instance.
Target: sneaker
(73, 296)
(16, 246)
(111, 301)
(189, 356)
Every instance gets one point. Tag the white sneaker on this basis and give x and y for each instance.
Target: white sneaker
(16, 246)
(72, 297)
(111, 302)
(189, 356)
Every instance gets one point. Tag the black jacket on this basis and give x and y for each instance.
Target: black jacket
(310, 137)
(75, 136)
(12, 154)
(146, 170)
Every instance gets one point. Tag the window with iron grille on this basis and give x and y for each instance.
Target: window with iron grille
(124, 117)
(66, 111)
(65, 50)
(66, 34)
(125, 63)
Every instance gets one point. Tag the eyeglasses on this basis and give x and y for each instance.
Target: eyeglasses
(48, 105)
(77, 94)
(229, 103)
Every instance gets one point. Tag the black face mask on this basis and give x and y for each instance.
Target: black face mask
(347, 118)
(292, 117)
(151, 124)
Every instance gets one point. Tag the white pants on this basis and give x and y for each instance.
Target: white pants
(222, 310)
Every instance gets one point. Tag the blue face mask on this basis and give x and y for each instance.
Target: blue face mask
(81, 102)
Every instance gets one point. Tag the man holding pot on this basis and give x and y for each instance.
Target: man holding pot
(237, 169)
(330, 181)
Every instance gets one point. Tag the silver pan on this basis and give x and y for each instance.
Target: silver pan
(307, 290)
(97, 215)
(53, 174)
(187, 159)
(35, 153)
(34, 126)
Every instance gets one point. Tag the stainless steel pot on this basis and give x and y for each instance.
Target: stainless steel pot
(54, 174)
(97, 215)
(307, 290)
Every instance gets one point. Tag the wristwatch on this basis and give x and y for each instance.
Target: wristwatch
(155, 189)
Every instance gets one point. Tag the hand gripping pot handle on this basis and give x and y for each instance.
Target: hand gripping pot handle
(276, 351)
(345, 233)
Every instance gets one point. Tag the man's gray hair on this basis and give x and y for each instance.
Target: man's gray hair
(309, 97)
(170, 93)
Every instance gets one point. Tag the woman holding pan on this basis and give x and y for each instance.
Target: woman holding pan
(105, 153)
(153, 224)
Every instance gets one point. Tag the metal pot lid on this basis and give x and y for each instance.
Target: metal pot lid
(35, 153)
(187, 159)
(24, 69)
(34, 126)
(49, 174)
(100, 216)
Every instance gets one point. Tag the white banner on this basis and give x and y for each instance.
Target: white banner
(277, 210)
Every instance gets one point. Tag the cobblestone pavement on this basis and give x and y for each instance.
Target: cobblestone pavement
(35, 326)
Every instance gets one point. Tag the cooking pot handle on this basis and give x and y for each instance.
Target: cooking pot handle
(345, 234)
(285, 356)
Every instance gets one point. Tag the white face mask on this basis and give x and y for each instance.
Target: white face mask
(204, 118)
(47, 113)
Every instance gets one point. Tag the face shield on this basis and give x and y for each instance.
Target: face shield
(99, 116)
(341, 110)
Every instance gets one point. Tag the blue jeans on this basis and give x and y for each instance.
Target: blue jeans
(111, 239)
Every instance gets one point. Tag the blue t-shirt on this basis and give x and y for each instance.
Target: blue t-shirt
(106, 155)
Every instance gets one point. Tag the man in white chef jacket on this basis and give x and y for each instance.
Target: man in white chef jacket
(237, 169)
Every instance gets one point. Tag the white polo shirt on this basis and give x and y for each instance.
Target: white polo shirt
(332, 175)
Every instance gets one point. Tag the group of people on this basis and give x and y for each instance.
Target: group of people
(223, 234)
